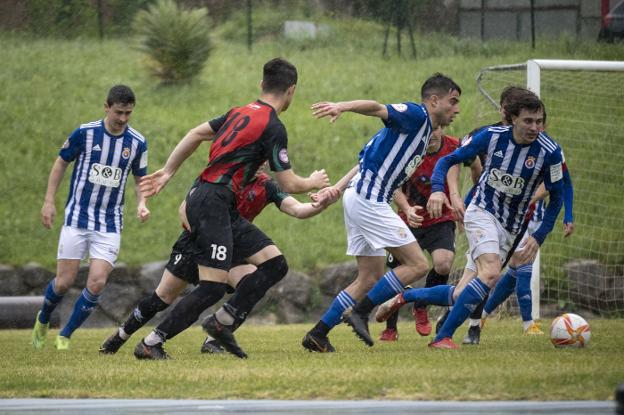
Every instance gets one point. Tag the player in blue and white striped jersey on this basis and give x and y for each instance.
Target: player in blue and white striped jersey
(385, 163)
(105, 153)
(519, 158)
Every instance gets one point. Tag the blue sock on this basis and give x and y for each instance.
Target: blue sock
(523, 291)
(504, 288)
(334, 313)
(82, 309)
(387, 287)
(470, 298)
(438, 295)
(50, 301)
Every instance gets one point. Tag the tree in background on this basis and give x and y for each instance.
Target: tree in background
(176, 41)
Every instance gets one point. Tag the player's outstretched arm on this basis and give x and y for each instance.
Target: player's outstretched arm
(292, 183)
(331, 194)
(48, 210)
(333, 110)
(292, 207)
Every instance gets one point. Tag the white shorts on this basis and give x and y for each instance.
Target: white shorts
(486, 235)
(74, 243)
(372, 226)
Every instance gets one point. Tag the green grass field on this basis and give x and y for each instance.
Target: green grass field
(505, 366)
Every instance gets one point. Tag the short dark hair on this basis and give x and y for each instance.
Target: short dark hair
(508, 93)
(278, 75)
(120, 94)
(523, 100)
(438, 84)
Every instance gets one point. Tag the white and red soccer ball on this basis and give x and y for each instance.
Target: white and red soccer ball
(570, 330)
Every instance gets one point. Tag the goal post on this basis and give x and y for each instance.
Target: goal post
(585, 106)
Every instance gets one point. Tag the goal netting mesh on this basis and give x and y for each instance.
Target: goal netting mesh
(585, 107)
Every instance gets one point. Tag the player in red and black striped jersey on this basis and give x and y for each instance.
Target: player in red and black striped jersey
(242, 140)
(181, 270)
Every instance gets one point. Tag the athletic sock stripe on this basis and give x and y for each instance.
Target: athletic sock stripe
(479, 290)
(394, 281)
(526, 268)
(90, 297)
(345, 299)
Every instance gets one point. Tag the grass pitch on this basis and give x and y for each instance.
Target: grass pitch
(505, 366)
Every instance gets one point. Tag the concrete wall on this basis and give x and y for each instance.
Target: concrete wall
(511, 19)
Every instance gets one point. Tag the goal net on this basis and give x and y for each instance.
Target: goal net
(585, 105)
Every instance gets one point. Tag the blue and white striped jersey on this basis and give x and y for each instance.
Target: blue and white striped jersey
(394, 153)
(511, 174)
(103, 161)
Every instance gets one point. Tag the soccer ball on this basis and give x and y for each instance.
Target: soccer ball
(570, 330)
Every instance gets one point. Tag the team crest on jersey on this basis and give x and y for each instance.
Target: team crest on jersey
(402, 233)
(125, 153)
(529, 163)
(399, 107)
(283, 155)
(251, 196)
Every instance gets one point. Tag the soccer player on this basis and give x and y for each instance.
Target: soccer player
(385, 163)
(436, 236)
(242, 140)
(181, 270)
(520, 157)
(106, 152)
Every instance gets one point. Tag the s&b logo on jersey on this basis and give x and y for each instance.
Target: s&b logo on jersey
(105, 175)
(505, 182)
(413, 165)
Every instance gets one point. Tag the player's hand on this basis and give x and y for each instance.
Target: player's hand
(48, 213)
(437, 202)
(327, 109)
(319, 179)
(143, 212)
(152, 184)
(414, 220)
(325, 197)
(568, 229)
(458, 205)
(528, 251)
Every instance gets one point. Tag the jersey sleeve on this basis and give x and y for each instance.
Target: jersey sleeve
(405, 117)
(277, 141)
(139, 164)
(469, 149)
(274, 193)
(553, 180)
(73, 145)
(217, 123)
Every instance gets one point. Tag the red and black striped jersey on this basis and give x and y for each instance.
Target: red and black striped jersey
(245, 138)
(258, 194)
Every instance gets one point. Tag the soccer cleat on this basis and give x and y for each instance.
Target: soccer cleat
(61, 343)
(441, 320)
(224, 335)
(473, 336)
(155, 352)
(212, 346)
(389, 335)
(423, 326)
(39, 333)
(316, 343)
(388, 308)
(445, 343)
(359, 324)
(112, 344)
(533, 330)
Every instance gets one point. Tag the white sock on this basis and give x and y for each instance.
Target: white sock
(475, 322)
(123, 334)
(527, 324)
(153, 339)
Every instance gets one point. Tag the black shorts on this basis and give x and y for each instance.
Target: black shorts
(219, 237)
(438, 236)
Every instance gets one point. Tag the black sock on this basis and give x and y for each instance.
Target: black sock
(254, 286)
(364, 307)
(391, 323)
(476, 314)
(321, 329)
(143, 312)
(187, 311)
(433, 279)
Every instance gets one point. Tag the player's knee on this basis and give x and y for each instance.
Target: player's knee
(442, 268)
(276, 268)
